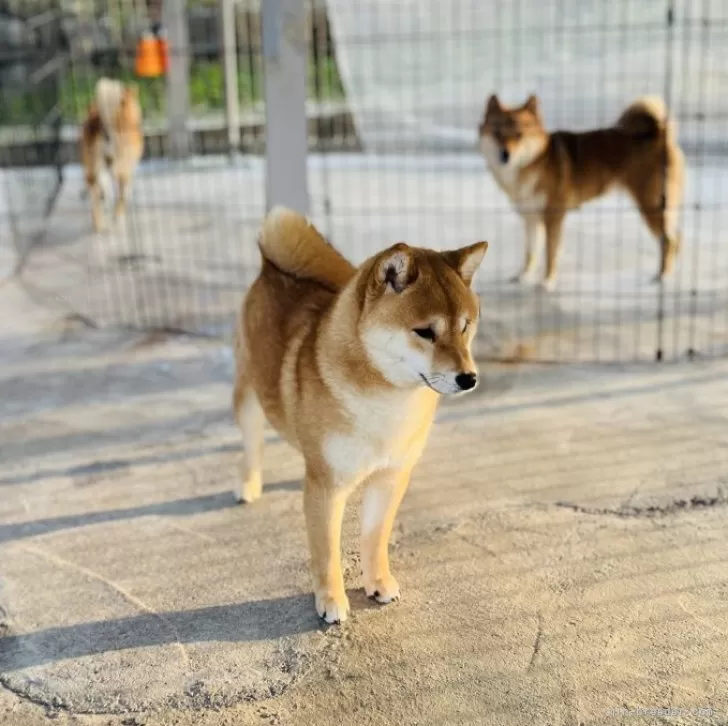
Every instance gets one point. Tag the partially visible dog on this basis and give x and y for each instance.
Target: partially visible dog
(348, 364)
(111, 137)
(547, 174)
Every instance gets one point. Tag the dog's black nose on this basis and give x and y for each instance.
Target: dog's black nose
(466, 381)
(505, 156)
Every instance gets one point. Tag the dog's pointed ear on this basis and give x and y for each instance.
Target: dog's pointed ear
(532, 105)
(396, 268)
(466, 260)
(492, 104)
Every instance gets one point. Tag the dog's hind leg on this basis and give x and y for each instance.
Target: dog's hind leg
(96, 194)
(91, 158)
(658, 199)
(251, 420)
(662, 222)
(122, 192)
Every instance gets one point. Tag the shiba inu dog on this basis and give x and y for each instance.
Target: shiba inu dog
(547, 174)
(348, 364)
(111, 137)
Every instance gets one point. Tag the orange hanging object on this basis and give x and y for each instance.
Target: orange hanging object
(151, 57)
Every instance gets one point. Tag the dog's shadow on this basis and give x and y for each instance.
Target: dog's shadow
(175, 508)
(251, 621)
(290, 485)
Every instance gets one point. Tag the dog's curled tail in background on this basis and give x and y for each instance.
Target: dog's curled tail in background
(293, 245)
(647, 118)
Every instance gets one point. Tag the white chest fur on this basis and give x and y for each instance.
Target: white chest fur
(521, 188)
(385, 432)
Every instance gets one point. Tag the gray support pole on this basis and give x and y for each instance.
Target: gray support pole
(178, 78)
(285, 60)
(230, 65)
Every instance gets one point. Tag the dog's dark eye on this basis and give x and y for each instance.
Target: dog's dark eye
(426, 333)
(465, 327)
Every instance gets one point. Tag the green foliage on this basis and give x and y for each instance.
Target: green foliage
(207, 91)
(77, 90)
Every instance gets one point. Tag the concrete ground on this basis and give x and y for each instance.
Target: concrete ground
(562, 550)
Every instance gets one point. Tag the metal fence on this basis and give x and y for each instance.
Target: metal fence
(394, 94)
(32, 58)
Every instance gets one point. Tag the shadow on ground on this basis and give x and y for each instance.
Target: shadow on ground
(257, 620)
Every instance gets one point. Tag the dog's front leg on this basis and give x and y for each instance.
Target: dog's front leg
(323, 504)
(383, 493)
(554, 225)
(534, 231)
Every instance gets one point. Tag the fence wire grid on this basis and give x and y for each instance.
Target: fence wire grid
(396, 91)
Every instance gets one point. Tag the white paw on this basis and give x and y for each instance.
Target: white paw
(523, 278)
(252, 485)
(549, 284)
(383, 590)
(251, 490)
(332, 607)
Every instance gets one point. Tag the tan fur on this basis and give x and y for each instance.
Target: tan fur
(547, 174)
(328, 354)
(111, 136)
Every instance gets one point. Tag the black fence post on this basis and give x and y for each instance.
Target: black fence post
(665, 240)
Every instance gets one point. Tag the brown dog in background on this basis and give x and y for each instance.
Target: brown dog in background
(547, 174)
(111, 137)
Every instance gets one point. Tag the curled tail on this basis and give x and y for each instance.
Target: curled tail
(293, 245)
(647, 119)
(107, 97)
